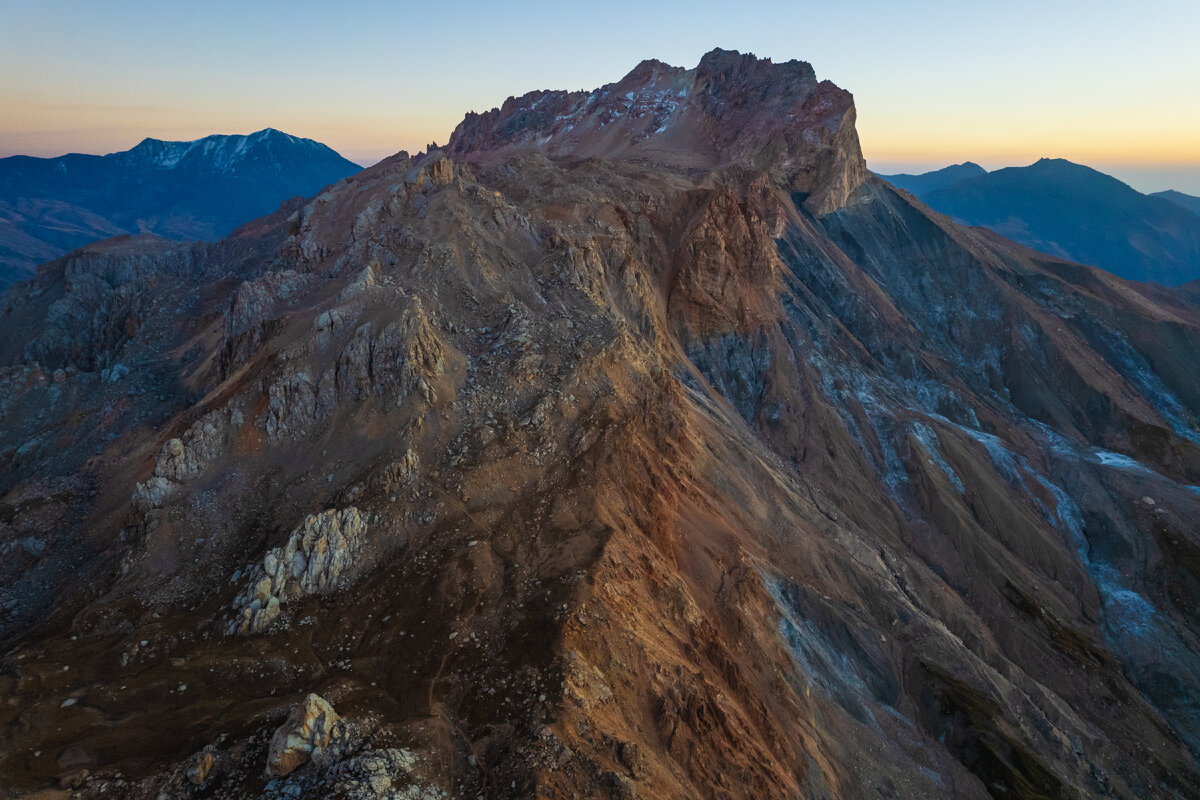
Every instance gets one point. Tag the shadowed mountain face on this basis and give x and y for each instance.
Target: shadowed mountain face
(1077, 213)
(565, 463)
(1190, 202)
(940, 178)
(179, 190)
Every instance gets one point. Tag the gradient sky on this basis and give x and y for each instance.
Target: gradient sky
(1114, 85)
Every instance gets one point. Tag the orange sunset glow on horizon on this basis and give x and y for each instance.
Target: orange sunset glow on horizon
(998, 88)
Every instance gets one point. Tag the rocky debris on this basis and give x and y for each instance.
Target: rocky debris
(315, 559)
(35, 533)
(435, 172)
(405, 358)
(304, 736)
(620, 787)
(375, 774)
(369, 278)
(729, 261)
(634, 758)
(114, 373)
(399, 473)
(254, 300)
(74, 779)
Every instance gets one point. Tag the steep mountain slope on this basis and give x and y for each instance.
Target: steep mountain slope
(1078, 213)
(570, 463)
(937, 179)
(180, 190)
(1190, 202)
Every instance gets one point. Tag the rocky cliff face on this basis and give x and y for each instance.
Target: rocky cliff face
(732, 111)
(580, 469)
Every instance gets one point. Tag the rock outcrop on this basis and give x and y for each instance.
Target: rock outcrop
(304, 736)
(315, 559)
(182, 459)
(401, 362)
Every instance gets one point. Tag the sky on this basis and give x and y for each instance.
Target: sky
(1114, 85)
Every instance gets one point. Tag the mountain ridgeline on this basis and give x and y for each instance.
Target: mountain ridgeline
(178, 190)
(937, 179)
(1190, 202)
(639, 443)
(1074, 212)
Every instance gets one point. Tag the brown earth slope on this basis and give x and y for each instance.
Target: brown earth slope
(638, 444)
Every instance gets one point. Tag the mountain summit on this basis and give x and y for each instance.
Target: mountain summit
(1190, 202)
(180, 190)
(732, 111)
(928, 181)
(637, 444)
(229, 153)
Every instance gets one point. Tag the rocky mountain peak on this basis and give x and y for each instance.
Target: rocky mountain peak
(719, 66)
(501, 471)
(219, 152)
(732, 110)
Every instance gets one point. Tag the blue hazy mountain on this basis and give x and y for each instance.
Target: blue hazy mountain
(928, 181)
(179, 190)
(1075, 212)
(1188, 201)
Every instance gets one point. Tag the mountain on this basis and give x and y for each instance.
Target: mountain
(179, 190)
(928, 181)
(1075, 212)
(1190, 202)
(639, 443)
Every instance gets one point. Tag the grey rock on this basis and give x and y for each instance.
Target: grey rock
(316, 557)
(302, 737)
(186, 457)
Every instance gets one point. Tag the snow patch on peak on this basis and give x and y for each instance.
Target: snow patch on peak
(219, 152)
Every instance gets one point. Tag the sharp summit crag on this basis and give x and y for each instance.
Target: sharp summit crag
(637, 444)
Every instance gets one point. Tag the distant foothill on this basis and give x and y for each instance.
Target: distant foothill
(1072, 211)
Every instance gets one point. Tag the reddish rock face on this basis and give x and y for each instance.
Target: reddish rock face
(676, 465)
(731, 111)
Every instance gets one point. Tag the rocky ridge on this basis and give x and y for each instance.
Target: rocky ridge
(657, 470)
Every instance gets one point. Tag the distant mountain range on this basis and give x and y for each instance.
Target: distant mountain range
(179, 190)
(1190, 202)
(1072, 211)
(939, 178)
